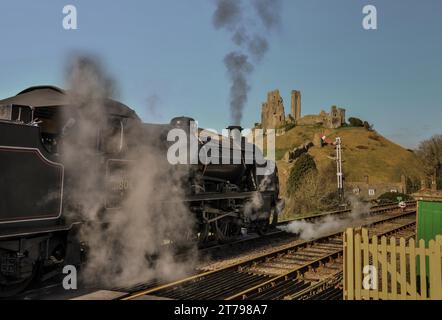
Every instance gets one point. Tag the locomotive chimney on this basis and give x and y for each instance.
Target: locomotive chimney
(235, 132)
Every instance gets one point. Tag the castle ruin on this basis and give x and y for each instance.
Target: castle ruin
(273, 113)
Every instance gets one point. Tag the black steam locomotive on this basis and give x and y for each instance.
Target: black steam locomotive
(39, 225)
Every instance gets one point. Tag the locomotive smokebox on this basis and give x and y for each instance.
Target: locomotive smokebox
(182, 122)
(235, 132)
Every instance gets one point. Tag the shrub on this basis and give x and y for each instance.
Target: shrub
(304, 165)
(355, 122)
(368, 126)
(392, 197)
(288, 126)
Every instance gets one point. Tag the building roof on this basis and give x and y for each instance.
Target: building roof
(51, 96)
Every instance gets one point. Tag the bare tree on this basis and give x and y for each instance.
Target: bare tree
(316, 190)
(430, 152)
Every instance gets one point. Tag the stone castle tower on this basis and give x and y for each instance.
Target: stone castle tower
(273, 113)
(336, 117)
(296, 105)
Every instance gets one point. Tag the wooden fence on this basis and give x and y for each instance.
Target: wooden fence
(391, 269)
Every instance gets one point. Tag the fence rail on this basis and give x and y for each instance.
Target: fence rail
(391, 269)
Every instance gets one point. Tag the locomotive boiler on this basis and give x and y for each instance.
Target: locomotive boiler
(40, 215)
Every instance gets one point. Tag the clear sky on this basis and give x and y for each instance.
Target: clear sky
(391, 77)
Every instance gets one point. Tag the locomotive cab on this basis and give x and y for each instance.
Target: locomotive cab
(37, 173)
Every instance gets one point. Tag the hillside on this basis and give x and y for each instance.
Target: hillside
(364, 153)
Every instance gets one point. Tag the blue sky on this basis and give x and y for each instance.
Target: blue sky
(391, 77)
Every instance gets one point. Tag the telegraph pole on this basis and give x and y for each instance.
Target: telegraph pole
(339, 173)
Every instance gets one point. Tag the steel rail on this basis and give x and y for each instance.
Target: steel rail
(310, 218)
(240, 266)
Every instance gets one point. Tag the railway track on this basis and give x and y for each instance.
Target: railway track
(217, 250)
(53, 290)
(276, 275)
(276, 237)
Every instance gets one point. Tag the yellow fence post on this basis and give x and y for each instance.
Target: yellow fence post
(357, 264)
(393, 263)
(435, 270)
(384, 266)
(403, 269)
(422, 268)
(366, 259)
(375, 255)
(412, 257)
(349, 264)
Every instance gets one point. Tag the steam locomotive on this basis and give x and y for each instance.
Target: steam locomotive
(40, 219)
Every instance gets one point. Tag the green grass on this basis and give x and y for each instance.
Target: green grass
(279, 153)
(379, 158)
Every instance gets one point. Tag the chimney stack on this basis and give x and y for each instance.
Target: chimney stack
(235, 133)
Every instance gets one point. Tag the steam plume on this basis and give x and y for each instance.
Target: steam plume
(328, 224)
(122, 240)
(245, 34)
(238, 68)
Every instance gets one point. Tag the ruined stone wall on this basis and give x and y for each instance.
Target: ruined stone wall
(273, 113)
(334, 119)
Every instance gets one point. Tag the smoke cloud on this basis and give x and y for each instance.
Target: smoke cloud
(269, 11)
(128, 242)
(238, 69)
(248, 27)
(328, 224)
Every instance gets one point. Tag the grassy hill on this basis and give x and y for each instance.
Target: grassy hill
(364, 153)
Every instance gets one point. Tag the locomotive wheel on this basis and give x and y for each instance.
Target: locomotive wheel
(227, 229)
(11, 287)
(262, 226)
(204, 234)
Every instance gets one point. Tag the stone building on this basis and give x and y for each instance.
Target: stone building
(369, 190)
(273, 113)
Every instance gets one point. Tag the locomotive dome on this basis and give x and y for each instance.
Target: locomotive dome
(51, 96)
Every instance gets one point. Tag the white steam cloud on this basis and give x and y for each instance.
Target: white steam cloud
(126, 245)
(328, 224)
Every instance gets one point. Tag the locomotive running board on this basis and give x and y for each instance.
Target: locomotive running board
(10, 233)
(228, 195)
